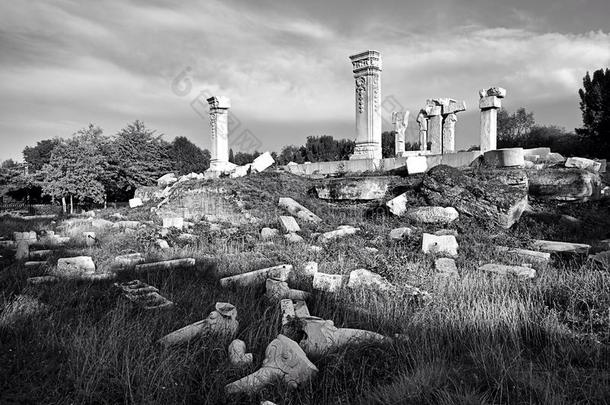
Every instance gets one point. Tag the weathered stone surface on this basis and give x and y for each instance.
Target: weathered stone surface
(135, 202)
(432, 215)
(398, 204)
(443, 245)
(446, 266)
(353, 188)
(486, 200)
(75, 266)
(258, 277)
(310, 269)
(416, 164)
(166, 265)
(278, 290)
(127, 262)
(343, 230)
(166, 180)
(528, 256)
(583, 163)
(176, 222)
(143, 295)
(296, 209)
(42, 280)
(269, 233)
(221, 323)
(489, 102)
(300, 309)
(25, 236)
(289, 224)
(493, 91)
(285, 362)
(33, 264)
(366, 279)
(237, 354)
(127, 224)
(322, 336)
(508, 157)
(519, 271)
(262, 162)
(293, 238)
(565, 184)
(400, 233)
(23, 249)
(560, 247)
(442, 232)
(287, 308)
(40, 254)
(327, 282)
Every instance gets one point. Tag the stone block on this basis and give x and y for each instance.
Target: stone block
(446, 266)
(127, 261)
(541, 152)
(366, 279)
(262, 162)
(353, 188)
(432, 215)
(241, 171)
(560, 247)
(269, 233)
(509, 157)
(417, 164)
(519, 271)
(278, 290)
(74, 267)
(162, 244)
(258, 277)
(289, 224)
(583, 163)
(296, 209)
(293, 238)
(454, 107)
(401, 233)
(442, 245)
(565, 184)
(310, 269)
(398, 205)
(532, 257)
(135, 202)
(489, 102)
(237, 354)
(166, 265)
(40, 254)
(327, 282)
(342, 231)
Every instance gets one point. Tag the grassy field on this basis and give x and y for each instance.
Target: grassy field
(479, 339)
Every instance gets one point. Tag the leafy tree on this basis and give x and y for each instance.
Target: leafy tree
(188, 157)
(290, 153)
(513, 128)
(39, 155)
(231, 156)
(595, 107)
(325, 148)
(243, 158)
(137, 157)
(77, 168)
(388, 144)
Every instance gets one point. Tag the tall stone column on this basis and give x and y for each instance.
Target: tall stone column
(219, 122)
(489, 102)
(450, 108)
(367, 72)
(435, 126)
(422, 122)
(400, 119)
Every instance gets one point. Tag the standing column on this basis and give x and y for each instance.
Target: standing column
(422, 121)
(435, 127)
(489, 102)
(400, 120)
(449, 119)
(219, 122)
(367, 71)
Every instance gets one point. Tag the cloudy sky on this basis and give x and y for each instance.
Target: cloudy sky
(284, 64)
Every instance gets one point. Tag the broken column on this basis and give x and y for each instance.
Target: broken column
(489, 102)
(400, 119)
(219, 122)
(367, 71)
(450, 109)
(422, 122)
(435, 126)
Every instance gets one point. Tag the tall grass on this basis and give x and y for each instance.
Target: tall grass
(479, 338)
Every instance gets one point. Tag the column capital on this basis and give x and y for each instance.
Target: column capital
(219, 102)
(366, 63)
(488, 102)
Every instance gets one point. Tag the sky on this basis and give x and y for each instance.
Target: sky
(284, 64)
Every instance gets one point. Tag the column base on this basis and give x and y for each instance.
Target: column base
(366, 151)
(219, 167)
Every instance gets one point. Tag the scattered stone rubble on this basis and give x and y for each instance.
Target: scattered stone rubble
(143, 295)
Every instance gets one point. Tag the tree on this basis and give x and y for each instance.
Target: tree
(39, 155)
(290, 153)
(595, 107)
(77, 168)
(514, 128)
(137, 157)
(188, 157)
(243, 158)
(231, 156)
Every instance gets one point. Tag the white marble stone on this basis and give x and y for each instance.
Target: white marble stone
(166, 265)
(262, 162)
(75, 266)
(293, 238)
(446, 266)
(401, 233)
(583, 163)
(135, 202)
(519, 271)
(338, 233)
(289, 224)
(449, 133)
(398, 205)
(560, 247)
(366, 279)
(432, 215)
(367, 75)
(237, 354)
(258, 277)
(327, 282)
(299, 211)
(417, 164)
(269, 233)
(507, 157)
(167, 180)
(175, 222)
(442, 245)
(400, 119)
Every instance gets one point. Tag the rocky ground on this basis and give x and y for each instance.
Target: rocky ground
(449, 277)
